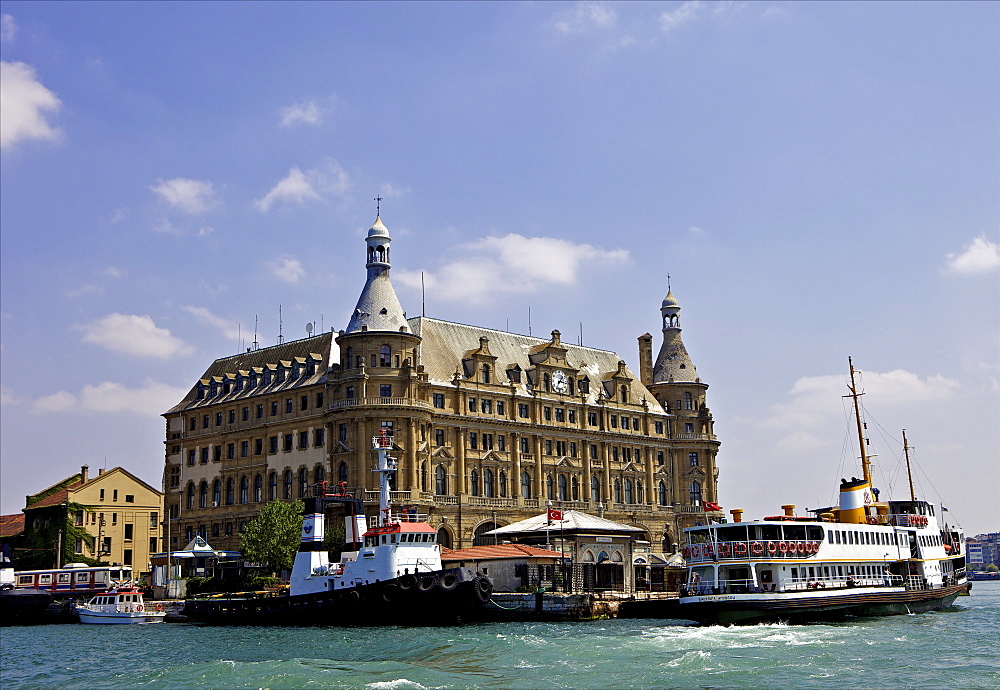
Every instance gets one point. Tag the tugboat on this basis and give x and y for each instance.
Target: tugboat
(861, 558)
(393, 573)
(123, 604)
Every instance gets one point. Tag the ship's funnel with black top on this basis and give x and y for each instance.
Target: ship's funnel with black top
(855, 499)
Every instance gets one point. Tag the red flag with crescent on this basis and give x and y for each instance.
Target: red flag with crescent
(554, 514)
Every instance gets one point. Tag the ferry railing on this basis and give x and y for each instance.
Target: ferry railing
(379, 521)
(703, 587)
(742, 550)
(797, 584)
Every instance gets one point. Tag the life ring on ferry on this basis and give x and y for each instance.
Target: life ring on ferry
(707, 551)
(694, 551)
(756, 548)
(772, 548)
(872, 520)
(783, 547)
(725, 549)
(159, 607)
(138, 607)
(686, 552)
(740, 549)
(800, 547)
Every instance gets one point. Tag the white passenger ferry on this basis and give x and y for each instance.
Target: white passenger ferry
(861, 558)
(123, 604)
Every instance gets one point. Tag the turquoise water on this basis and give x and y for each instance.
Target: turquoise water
(959, 647)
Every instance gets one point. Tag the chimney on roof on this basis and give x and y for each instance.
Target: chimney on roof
(100, 472)
(83, 471)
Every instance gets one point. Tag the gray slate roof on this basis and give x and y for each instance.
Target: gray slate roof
(573, 521)
(673, 363)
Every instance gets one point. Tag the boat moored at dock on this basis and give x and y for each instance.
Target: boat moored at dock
(861, 558)
(121, 605)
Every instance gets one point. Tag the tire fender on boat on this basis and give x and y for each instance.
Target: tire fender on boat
(427, 583)
(448, 583)
(407, 582)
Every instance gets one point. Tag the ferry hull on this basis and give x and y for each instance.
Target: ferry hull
(439, 598)
(751, 609)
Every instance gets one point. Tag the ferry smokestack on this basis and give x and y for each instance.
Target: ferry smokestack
(789, 510)
(737, 514)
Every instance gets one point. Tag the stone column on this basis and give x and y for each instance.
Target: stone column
(460, 488)
(539, 474)
(586, 473)
(608, 493)
(411, 457)
(515, 456)
(650, 494)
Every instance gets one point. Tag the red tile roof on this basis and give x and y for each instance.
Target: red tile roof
(56, 497)
(497, 552)
(11, 524)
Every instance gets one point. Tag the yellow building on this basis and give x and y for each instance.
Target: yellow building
(489, 426)
(120, 511)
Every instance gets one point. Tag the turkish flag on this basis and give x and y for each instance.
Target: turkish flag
(709, 506)
(554, 514)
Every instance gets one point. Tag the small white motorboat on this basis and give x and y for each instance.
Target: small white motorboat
(123, 604)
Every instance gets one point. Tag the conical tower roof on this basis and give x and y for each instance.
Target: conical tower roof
(378, 307)
(673, 363)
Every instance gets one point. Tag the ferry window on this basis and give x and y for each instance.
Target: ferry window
(25, 579)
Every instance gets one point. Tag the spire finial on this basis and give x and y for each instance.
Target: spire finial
(378, 205)
(668, 282)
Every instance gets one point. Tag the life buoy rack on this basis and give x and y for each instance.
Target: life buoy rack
(725, 549)
(756, 548)
(707, 551)
(772, 547)
(800, 547)
(159, 607)
(138, 607)
(686, 552)
(740, 549)
(783, 547)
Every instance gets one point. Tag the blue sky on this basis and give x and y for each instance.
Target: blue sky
(820, 180)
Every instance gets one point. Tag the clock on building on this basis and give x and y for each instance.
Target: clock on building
(559, 382)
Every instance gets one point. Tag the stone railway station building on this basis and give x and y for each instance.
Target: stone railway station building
(489, 427)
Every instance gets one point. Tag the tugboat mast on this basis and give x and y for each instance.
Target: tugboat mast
(909, 474)
(865, 465)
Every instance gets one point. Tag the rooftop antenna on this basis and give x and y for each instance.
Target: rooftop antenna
(529, 321)
(281, 338)
(239, 336)
(321, 327)
(309, 329)
(423, 296)
(256, 345)
(581, 333)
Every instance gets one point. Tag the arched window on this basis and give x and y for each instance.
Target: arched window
(440, 481)
(190, 496)
(563, 496)
(525, 485)
(444, 537)
(486, 373)
(342, 472)
(662, 494)
(244, 489)
(576, 489)
(258, 489)
(230, 491)
(695, 490)
(303, 481)
(288, 484)
(618, 491)
(203, 495)
(550, 488)
(503, 484)
(595, 489)
(629, 497)
(479, 536)
(474, 481)
(489, 488)
(216, 493)
(624, 396)
(272, 486)
(318, 474)
(384, 356)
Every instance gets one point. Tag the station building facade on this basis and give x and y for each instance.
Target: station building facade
(489, 427)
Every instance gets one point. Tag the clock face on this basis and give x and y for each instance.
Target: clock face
(559, 383)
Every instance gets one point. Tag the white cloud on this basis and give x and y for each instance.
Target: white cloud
(134, 335)
(497, 266)
(229, 328)
(388, 191)
(309, 112)
(300, 187)
(23, 104)
(84, 290)
(7, 397)
(113, 272)
(190, 196)
(8, 27)
(980, 256)
(671, 19)
(288, 269)
(585, 17)
(165, 227)
(149, 400)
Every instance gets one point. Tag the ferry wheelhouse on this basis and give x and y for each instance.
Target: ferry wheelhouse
(863, 557)
(73, 579)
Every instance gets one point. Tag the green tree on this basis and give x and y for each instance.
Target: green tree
(49, 529)
(991, 568)
(272, 538)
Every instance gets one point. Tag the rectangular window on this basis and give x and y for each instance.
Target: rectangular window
(487, 406)
(572, 416)
(78, 518)
(231, 451)
(246, 414)
(129, 529)
(693, 459)
(154, 520)
(560, 414)
(625, 423)
(659, 457)
(547, 413)
(258, 446)
(260, 411)
(218, 419)
(232, 416)
(127, 557)
(501, 442)
(342, 432)
(472, 404)
(439, 437)
(592, 418)
(385, 390)
(289, 406)
(274, 408)
(522, 410)
(473, 441)
(192, 455)
(319, 437)
(524, 445)
(304, 403)
(303, 439)
(689, 428)
(114, 495)
(572, 449)
(487, 441)
(204, 455)
(500, 407)
(204, 422)
(560, 448)
(349, 392)
(635, 423)
(194, 424)
(614, 421)
(548, 447)
(272, 444)
(319, 400)
(217, 454)
(289, 438)
(114, 518)
(658, 427)
(152, 545)
(593, 451)
(102, 494)
(439, 400)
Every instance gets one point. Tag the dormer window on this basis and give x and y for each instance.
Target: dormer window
(546, 385)
(200, 394)
(486, 373)
(624, 394)
(514, 374)
(585, 385)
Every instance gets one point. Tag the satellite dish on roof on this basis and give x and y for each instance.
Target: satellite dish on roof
(309, 328)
